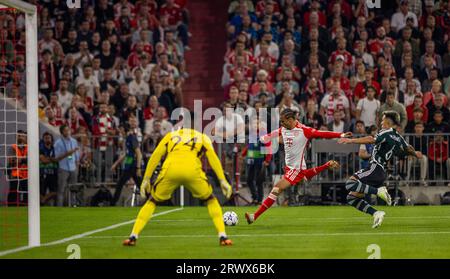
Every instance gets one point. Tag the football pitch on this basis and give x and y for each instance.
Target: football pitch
(283, 232)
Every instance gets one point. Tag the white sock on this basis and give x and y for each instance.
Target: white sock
(222, 234)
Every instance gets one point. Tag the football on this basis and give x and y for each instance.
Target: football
(230, 218)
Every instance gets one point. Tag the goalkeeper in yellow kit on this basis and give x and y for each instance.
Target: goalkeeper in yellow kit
(183, 150)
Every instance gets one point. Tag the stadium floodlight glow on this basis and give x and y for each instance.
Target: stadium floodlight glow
(32, 116)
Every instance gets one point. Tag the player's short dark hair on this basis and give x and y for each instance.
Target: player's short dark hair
(288, 113)
(393, 116)
(419, 123)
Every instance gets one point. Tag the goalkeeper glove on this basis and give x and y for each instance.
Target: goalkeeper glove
(145, 187)
(226, 188)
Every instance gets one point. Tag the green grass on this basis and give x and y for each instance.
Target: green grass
(294, 232)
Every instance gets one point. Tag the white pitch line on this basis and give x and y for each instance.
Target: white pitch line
(272, 235)
(324, 219)
(82, 235)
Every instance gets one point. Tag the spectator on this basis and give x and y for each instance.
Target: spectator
(89, 81)
(368, 107)
(365, 150)
(436, 89)
(438, 105)
(103, 131)
(438, 158)
(417, 118)
(337, 125)
(64, 96)
(229, 129)
(399, 95)
(48, 168)
(71, 44)
(56, 109)
(174, 14)
(119, 99)
(48, 45)
(312, 118)
(418, 103)
(256, 162)
(438, 125)
(132, 158)
(132, 110)
(273, 48)
(288, 102)
(151, 107)
(362, 87)
(398, 21)
(83, 100)
(287, 76)
(69, 66)
(234, 97)
(48, 74)
(335, 100)
(410, 94)
(312, 91)
(75, 121)
(107, 56)
(261, 76)
(392, 104)
(68, 156)
(409, 76)
(166, 126)
(419, 142)
(430, 52)
(139, 87)
(18, 171)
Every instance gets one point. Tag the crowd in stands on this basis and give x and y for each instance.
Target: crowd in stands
(339, 63)
(100, 65)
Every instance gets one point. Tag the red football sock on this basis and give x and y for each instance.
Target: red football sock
(310, 173)
(267, 203)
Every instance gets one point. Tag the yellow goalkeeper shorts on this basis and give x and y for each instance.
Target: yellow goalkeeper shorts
(173, 176)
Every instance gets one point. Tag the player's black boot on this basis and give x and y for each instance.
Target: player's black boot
(131, 241)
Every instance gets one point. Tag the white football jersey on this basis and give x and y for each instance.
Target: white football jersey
(296, 142)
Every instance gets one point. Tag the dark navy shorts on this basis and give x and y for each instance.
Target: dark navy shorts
(374, 175)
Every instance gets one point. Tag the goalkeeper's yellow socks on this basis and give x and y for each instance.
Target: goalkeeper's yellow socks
(143, 217)
(215, 211)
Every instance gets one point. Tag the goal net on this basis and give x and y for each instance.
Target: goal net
(19, 135)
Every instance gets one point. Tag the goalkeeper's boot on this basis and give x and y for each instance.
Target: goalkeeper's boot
(224, 241)
(131, 241)
(250, 217)
(332, 164)
(378, 219)
(384, 195)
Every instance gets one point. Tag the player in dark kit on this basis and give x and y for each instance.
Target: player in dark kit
(388, 142)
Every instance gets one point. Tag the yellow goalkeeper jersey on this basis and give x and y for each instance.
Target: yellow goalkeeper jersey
(184, 149)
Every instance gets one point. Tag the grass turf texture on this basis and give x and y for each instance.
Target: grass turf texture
(294, 232)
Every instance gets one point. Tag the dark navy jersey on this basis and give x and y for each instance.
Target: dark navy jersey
(388, 143)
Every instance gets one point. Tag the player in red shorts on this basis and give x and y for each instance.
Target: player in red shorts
(296, 137)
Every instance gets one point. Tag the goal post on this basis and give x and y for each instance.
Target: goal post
(32, 101)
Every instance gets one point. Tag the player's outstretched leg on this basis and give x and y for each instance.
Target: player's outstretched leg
(215, 212)
(143, 217)
(310, 173)
(355, 185)
(269, 201)
(356, 195)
